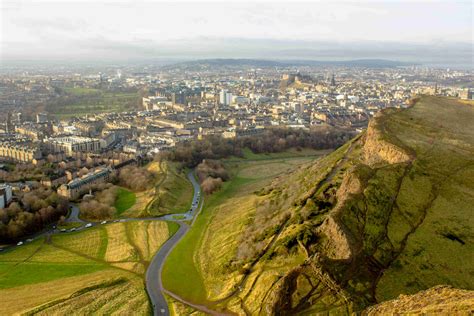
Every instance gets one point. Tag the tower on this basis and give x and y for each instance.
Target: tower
(333, 81)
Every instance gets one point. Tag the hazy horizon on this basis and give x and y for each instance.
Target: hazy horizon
(428, 32)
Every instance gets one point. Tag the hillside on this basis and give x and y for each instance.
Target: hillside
(437, 300)
(388, 213)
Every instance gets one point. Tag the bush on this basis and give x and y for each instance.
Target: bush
(210, 185)
(135, 178)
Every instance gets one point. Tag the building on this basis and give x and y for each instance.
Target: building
(466, 94)
(75, 188)
(54, 180)
(225, 97)
(5, 195)
(19, 152)
(41, 118)
(242, 132)
(156, 103)
(72, 144)
(178, 98)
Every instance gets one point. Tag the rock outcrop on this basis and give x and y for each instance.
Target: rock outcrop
(378, 149)
(439, 300)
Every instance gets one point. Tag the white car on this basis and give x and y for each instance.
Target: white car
(88, 225)
(29, 240)
(103, 222)
(19, 243)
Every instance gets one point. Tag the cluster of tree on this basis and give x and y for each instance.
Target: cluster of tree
(102, 205)
(135, 178)
(21, 172)
(31, 213)
(211, 168)
(272, 140)
(211, 174)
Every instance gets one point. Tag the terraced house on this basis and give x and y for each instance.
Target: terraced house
(19, 152)
(75, 188)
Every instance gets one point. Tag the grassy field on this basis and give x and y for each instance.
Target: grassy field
(173, 192)
(82, 101)
(213, 239)
(125, 200)
(99, 270)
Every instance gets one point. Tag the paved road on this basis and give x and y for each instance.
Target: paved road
(154, 285)
(74, 215)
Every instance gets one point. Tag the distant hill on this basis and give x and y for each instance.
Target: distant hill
(259, 63)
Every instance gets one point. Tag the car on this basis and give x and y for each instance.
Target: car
(88, 225)
(63, 230)
(29, 240)
(122, 220)
(72, 229)
(103, 222)
(19, 243)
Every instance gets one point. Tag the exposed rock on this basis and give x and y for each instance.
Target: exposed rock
(439, 300)
(378, 150)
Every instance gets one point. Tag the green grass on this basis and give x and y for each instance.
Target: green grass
(291, 153)
(125, 200)
(86, 101)
(81, 91)
(65, 271)
(69, 225)
(31, 273)
(174, 193)
(180, 267)
(172, 228)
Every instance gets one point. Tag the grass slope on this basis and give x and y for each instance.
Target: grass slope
(213, 238)
(125, 200)
(99, 270)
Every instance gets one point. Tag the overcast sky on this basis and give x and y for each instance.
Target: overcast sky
(120, 29)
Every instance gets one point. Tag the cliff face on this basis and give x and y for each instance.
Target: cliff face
(340, 244)
(378, 149)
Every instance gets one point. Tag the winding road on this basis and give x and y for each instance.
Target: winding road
(154, 285)
(153, 279)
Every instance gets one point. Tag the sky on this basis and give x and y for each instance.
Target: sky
(435, 31)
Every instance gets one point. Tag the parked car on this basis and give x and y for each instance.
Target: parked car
(88, 225)
(72, 229)
(29, 240)
(63, 230)
(103, 222)
(19, 243)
